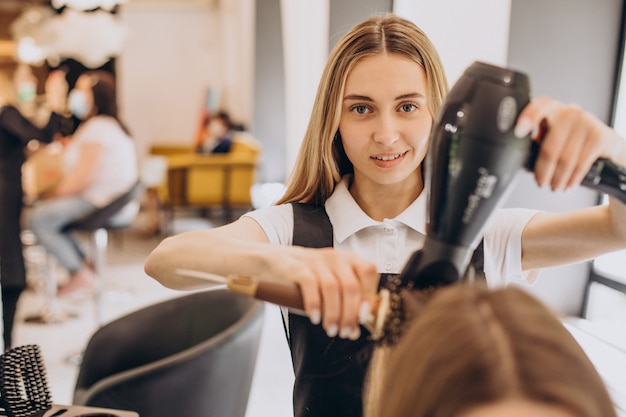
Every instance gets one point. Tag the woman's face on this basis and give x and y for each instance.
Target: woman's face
(217, 128)
(385, 120)
(517, 408)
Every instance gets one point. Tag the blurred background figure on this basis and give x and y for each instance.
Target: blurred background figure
(474, 352)
(28, 102)
(100, 165)
(16, 131)
(217, 135)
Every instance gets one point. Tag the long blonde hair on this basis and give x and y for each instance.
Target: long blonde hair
(472, 346)
(321, 161)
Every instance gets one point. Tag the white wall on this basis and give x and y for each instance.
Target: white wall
(561, 45)
(174, 52)
(305, 48)
(236, 26)
(462, 31)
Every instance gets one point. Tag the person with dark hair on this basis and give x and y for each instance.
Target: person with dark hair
(217, 135)
(470, 351)
(101, 164)
(16, 131)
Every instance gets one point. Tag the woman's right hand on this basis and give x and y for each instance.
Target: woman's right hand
(337, 287)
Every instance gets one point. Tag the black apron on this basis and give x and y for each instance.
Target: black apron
(329, 372)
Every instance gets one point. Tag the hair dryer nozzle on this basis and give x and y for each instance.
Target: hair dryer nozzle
(437, 264)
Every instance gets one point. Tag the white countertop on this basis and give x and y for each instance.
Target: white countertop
(609, 359)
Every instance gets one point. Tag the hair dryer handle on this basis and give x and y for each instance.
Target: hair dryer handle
(604, 176)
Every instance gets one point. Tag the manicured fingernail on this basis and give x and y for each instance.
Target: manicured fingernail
(315, 316)
(365, 312)
(332, 330)
(522, 128)
(356, 333)
(345, 332)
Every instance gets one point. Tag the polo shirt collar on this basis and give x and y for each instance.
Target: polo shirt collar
(347, 217)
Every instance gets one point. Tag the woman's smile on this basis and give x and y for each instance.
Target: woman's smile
(389, 160)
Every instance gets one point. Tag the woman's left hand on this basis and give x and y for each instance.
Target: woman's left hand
(56, 88)
(572, 140)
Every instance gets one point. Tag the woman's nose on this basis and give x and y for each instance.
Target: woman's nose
(386, 131)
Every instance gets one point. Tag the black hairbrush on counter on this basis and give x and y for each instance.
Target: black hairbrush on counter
(473, 159)
(24, 390)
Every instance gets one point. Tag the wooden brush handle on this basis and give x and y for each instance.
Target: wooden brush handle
(288, 295)
(283, 293)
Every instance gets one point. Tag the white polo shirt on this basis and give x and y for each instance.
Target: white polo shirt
(391, 242)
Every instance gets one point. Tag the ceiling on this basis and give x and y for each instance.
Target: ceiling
(18, 5)
(11, 9)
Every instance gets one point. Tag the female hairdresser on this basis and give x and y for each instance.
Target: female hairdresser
(361, 160)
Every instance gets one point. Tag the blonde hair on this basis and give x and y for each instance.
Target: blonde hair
(471, 346)
(321, 161)
(8, 96)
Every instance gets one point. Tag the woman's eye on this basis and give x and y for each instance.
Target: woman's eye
(360, 109)
(408, 107)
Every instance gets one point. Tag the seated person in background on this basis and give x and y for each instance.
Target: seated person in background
(474, 352)
(101, 164)
(217, 136)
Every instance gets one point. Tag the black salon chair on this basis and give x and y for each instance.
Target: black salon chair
(186, 357)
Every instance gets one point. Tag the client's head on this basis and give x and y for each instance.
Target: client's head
(475, 352)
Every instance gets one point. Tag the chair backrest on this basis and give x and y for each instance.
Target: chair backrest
(189, 356)
(100, 217)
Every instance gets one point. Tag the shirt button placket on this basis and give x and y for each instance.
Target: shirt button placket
(389, 248)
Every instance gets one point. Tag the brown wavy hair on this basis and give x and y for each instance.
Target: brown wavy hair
(321, 161)
(472, 346)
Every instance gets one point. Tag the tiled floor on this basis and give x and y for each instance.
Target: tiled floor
(128, 288)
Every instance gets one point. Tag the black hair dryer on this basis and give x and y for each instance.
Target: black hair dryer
(471, 164)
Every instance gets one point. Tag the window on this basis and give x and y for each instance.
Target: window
(605, 301)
